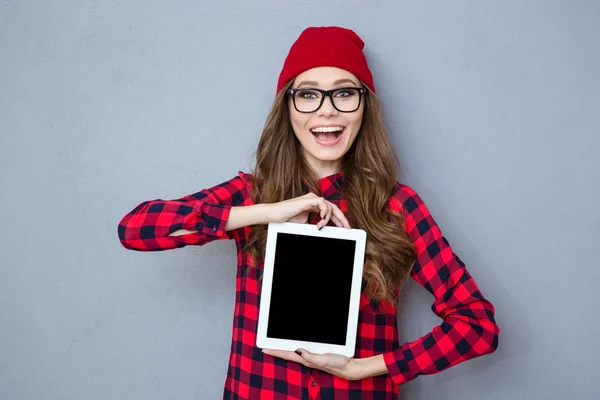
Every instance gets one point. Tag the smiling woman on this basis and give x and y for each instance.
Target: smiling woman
(325, 157)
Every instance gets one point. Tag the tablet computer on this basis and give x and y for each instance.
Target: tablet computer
(311, 288)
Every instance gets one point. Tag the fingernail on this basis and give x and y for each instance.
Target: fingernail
(298, 352)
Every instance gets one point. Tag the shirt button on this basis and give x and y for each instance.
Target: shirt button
(314, 383)
(214, 228)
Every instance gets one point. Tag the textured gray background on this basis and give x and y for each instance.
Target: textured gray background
(494, 110)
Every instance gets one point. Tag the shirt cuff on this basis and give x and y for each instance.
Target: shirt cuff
(214, 219)
(398, 369)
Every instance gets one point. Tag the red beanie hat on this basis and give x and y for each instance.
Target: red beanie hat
(326, 46)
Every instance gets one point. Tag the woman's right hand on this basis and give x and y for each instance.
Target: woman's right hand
(297, 210)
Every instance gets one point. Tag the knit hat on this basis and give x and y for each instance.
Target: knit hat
(326, 46)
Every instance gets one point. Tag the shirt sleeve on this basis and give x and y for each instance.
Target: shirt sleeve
(468, 329)
(147, 227)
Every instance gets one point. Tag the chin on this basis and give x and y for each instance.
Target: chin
(328, 155)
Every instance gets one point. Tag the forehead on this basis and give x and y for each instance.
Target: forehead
(325, 76)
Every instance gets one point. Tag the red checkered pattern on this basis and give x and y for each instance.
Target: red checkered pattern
(467, 330)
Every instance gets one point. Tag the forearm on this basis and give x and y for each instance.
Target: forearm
(369, 366)
(239, 217)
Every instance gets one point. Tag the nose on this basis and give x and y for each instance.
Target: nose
(327, 107)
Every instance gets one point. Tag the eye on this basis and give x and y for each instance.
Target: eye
(308, 95)
(345, 93)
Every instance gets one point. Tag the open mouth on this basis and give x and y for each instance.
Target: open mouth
(328, 136)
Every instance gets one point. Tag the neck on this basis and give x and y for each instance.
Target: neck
(324, 168)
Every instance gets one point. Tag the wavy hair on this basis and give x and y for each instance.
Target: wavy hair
(369, 169)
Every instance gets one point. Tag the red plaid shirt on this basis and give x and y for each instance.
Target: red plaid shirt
(467, 330)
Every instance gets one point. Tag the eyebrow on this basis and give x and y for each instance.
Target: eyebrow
(313, 83)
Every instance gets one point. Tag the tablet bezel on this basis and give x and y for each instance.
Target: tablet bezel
(359, 236)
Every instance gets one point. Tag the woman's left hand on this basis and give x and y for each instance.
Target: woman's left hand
(342, 366)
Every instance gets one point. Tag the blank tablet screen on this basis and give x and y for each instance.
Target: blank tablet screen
(310, 294)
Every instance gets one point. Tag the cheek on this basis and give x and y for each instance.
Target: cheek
(356, 125)
(356, 122)
(298, 121)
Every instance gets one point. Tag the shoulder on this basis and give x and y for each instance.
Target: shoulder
(405, 199)
(236, 185)
(245, 176)
(246, 179)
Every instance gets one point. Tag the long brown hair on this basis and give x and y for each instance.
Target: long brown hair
(369, 169)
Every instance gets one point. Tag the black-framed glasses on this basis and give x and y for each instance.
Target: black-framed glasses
(307, 100)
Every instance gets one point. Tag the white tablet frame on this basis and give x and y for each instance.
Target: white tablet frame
(357, 235)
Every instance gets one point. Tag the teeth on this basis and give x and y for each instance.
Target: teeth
(328, 129)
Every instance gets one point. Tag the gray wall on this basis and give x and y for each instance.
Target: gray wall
(494, 110)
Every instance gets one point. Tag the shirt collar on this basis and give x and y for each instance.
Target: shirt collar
(331, 185)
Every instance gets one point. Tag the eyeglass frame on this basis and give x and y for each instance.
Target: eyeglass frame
(326, 93)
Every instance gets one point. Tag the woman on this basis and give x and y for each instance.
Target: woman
(325, 157)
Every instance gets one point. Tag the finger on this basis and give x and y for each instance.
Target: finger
(318, 360)
(323, 206)
(325, 218)
(336, 221)
(329, 212)
(321, 223)
(314, 203)
(323, 210)
(286, 355)
(340, 216)
(277, 353)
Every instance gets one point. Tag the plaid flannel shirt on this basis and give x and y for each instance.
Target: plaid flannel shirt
(467, 329)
